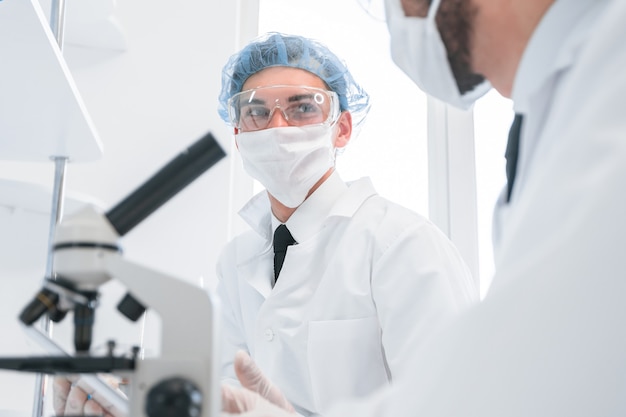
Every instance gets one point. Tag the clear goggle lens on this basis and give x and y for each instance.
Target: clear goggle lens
(254, 109)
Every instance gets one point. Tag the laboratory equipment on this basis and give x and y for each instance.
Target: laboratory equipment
(182, 380)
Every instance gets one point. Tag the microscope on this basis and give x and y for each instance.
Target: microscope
(183, 381)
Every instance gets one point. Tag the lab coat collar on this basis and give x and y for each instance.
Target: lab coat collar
(358, 191)
(333, 198)
(305, 221)
(551, 48)
(257, 212)
(308, 219)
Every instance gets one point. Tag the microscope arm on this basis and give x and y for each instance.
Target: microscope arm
(187, 311)
(189, 333)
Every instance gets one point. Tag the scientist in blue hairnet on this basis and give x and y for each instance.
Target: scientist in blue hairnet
(334, 286)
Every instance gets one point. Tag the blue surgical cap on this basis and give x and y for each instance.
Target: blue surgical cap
(280, 50)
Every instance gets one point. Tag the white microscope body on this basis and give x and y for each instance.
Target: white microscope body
(189, 360)
(183, 381)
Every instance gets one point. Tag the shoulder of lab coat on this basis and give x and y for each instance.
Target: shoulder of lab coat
(419, 280)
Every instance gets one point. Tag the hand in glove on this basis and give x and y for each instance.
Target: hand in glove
(257, 389)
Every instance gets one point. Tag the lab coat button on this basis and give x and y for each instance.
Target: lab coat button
(269, 335)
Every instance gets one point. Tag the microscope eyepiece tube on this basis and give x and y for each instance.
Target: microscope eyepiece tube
(44, 301)
(166, 183)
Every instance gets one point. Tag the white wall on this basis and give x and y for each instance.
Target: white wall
(147, 102)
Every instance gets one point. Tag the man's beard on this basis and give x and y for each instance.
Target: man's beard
(455, 20)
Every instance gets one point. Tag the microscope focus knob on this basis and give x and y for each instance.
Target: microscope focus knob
(174, 397)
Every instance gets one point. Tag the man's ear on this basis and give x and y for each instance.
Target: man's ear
(344, 129)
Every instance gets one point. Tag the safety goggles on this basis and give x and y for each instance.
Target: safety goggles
(254, 109)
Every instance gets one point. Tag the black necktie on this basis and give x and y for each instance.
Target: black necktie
(512, 150)
(282, 239)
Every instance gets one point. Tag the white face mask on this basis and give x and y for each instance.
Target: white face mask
(288, 161)
(417, 48)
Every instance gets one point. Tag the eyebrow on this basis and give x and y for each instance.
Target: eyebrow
(299, 97)
(290, 99)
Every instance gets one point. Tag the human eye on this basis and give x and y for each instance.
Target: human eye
(304, 111)
(308, 108)
(253, 117)
(255, 112)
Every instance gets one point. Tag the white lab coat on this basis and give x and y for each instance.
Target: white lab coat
(549, 340)
(367, 281)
